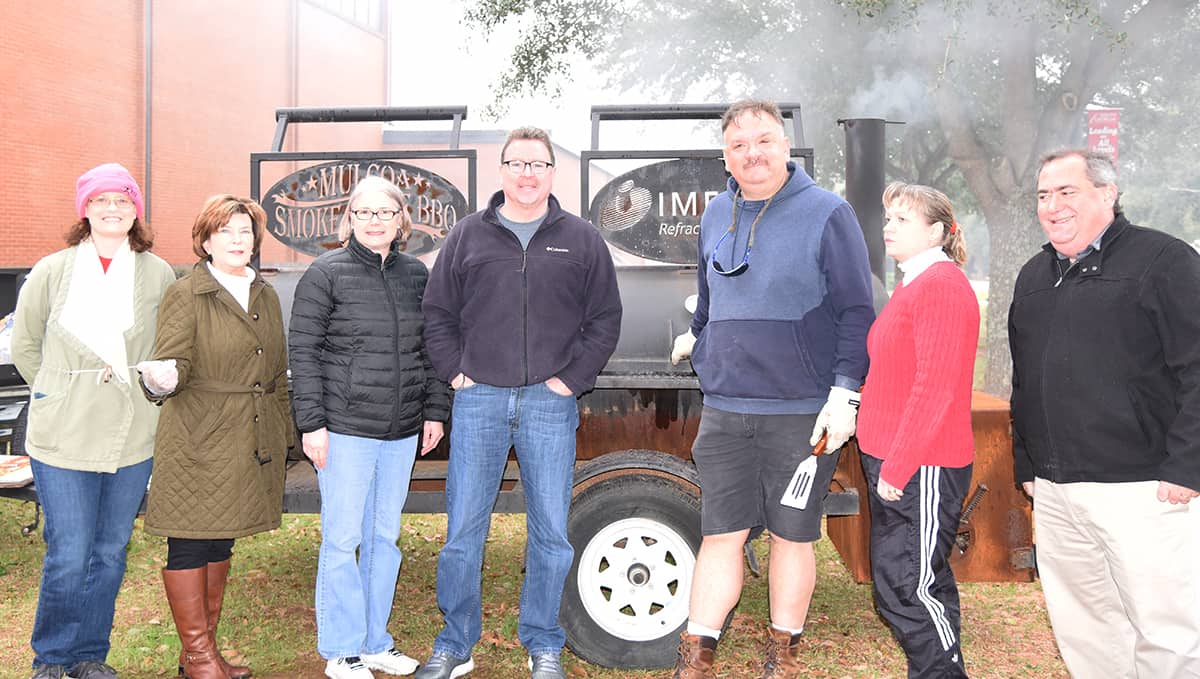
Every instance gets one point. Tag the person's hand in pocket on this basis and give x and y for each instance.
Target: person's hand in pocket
(559, 387)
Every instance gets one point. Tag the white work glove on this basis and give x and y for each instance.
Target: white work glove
(160, 377)
(683, 347)
(837, 418)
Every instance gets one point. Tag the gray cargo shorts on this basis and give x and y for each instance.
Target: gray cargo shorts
(745, 463)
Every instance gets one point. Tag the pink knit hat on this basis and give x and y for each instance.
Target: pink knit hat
(103, 179)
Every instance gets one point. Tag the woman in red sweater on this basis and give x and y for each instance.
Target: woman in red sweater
(914, 427)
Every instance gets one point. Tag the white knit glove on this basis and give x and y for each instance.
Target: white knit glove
(838, 418)
(683, 347)
(160, 377)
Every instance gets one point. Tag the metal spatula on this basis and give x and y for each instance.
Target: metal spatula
(799, 489)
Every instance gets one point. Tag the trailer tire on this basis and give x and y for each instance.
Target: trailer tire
(626, 596)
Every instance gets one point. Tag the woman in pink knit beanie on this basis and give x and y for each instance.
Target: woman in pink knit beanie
(85, 316)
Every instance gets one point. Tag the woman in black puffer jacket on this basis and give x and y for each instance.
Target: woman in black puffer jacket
(366, 398)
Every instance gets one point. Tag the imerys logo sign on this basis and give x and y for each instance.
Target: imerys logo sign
(654, 211)
(628, 206)
(304, 208)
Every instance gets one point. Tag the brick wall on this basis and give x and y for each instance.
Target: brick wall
(221, 68)
(71, 97)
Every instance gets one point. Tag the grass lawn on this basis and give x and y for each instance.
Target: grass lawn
(268, 619)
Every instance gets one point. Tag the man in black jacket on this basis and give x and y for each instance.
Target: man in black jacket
(521, 313)
(1105, 335)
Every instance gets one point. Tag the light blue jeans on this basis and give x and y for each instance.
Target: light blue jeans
(89, 518)
(541, 426)
(363, 488)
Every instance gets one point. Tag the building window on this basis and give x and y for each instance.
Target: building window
(366, 13)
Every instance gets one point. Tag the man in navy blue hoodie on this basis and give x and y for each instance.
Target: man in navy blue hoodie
(521, 313)
(779, 337)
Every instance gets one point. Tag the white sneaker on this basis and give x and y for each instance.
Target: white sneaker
(347, 668)
(390, 661)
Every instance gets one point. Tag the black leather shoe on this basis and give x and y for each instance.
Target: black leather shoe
(49, 672)
(444, 666)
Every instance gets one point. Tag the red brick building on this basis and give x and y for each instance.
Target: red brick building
(179, 92)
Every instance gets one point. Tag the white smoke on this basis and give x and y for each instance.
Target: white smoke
(902, 96)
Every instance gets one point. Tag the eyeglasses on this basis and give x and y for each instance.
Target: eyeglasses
(745, 263)
(119, 202)
(517, 167)
(364, 215)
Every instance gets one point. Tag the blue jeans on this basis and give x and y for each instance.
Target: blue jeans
(363, 488)
(541, 426)
(88, 521)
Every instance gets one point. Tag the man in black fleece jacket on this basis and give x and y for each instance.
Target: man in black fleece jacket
(521, 313)
(1105, 335)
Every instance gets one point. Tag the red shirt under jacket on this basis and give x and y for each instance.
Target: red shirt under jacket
(916, 403)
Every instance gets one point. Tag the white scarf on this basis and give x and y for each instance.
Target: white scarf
(99, 306)
(238, 286)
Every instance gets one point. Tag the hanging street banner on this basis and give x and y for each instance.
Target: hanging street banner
(305, 207)
(1103, 128)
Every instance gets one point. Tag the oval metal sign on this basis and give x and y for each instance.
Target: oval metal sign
(304, 208)
(654, 211)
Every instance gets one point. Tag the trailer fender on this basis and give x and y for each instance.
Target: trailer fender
(645, 462)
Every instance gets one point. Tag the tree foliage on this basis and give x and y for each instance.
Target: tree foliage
(985, 86)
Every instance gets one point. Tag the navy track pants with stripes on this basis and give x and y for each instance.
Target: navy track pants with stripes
(915, 591)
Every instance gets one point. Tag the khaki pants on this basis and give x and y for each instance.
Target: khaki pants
(1118, 569)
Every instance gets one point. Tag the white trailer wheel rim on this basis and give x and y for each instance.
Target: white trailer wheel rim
(634, 579)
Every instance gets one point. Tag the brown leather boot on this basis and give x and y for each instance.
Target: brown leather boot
(782, 655)
(218, 573)
(696, 653)
(187, 592)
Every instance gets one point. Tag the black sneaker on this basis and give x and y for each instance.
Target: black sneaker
(92, 669)
(49, 672)
(546, 666)
(442, 665)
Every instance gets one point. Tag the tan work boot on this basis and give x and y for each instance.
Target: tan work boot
(695, 659)
(782, 655)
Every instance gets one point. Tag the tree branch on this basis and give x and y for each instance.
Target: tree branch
(1018, 69)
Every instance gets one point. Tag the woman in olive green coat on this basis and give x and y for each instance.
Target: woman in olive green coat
(219, 458)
